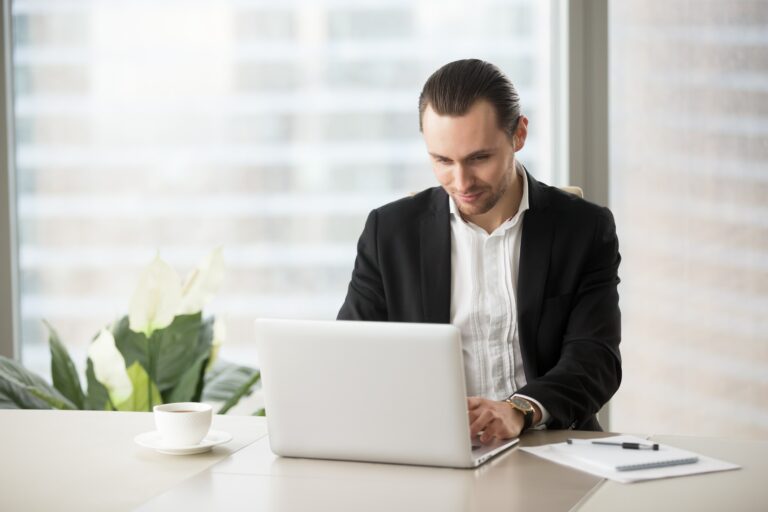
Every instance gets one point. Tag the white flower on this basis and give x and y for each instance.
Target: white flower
(219, 332)
(156, 299)
(109, 367)
(202, 283)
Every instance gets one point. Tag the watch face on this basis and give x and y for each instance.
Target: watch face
(522, 404)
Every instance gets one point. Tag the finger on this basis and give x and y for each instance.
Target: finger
(487, 435)
(473, 402)
(480, 422)
(477, 425)
(497, 429)
(502, 429)
(475, 413)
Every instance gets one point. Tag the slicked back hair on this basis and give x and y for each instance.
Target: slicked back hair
(455, 87)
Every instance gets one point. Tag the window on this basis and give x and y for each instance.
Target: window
(689, 186)
(268, 128)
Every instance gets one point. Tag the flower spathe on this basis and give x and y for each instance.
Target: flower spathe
(109, 367)
(219, 332)
(202, 283)
(157, 298)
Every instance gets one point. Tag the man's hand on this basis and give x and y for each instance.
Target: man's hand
(496, 420)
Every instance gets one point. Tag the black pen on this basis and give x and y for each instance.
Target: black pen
(626, 446)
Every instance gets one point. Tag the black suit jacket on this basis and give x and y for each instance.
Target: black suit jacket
(567, 298)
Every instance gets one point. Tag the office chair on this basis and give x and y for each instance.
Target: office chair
(572, 189)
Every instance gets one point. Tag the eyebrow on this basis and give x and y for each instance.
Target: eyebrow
(484, 151)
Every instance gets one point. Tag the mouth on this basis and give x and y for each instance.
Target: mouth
(468, 198)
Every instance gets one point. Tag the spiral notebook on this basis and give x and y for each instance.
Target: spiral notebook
(616, 458)
(626, 465)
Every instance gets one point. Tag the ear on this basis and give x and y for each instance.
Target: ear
(521, 133)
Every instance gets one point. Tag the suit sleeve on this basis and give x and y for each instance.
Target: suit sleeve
(365, 296)
(588, 372)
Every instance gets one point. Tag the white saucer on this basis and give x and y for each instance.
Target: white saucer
(154, 441)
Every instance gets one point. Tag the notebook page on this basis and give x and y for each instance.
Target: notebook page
(616, 458)
(559, 454)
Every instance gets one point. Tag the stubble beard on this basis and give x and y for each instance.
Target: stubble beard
(469, 210)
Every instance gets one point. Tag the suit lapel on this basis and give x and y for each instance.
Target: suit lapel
(535, 251)
(435, 261)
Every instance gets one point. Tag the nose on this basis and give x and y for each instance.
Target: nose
(462, 179)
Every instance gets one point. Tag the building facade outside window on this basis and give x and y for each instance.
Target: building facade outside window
(270, 129)
(689, 188)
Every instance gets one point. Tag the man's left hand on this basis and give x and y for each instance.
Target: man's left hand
(496, 420)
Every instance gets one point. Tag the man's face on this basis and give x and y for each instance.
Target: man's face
(472, 158)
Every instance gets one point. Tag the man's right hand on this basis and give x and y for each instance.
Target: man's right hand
(493, 420)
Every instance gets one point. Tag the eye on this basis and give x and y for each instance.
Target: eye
(480, 158)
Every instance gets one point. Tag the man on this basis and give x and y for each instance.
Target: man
(527, 272)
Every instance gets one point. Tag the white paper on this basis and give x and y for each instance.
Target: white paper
(578, 456)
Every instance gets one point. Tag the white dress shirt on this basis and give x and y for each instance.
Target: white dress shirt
(484, 269)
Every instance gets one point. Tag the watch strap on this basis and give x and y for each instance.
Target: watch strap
(527, 412)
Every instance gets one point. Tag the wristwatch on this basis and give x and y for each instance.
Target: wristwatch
(524, 406)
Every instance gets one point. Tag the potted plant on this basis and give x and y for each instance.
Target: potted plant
(162, 351)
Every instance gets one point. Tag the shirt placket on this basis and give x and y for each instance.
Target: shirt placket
(495, 359)
(510, 317)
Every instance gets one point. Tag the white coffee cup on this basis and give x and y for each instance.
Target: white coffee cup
(183, 423)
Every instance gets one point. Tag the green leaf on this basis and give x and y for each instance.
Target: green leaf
(133, 345)
(190, 385)
(229, 382)
(54, 402)
(179, 347)
(176, 352)
(97, 398)
(63, 372)
(243, 390)
(142, 389)
(260, 412)
(5, 399)
(224, 379)
(23, 389)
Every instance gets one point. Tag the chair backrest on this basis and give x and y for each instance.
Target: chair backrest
(571, 189)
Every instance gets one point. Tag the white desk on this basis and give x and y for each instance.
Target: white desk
(87, 460)
(54, 460)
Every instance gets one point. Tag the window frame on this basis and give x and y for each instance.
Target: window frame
(581, 100)
(9, 303)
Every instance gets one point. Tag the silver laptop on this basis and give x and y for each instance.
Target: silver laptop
(368, 391)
